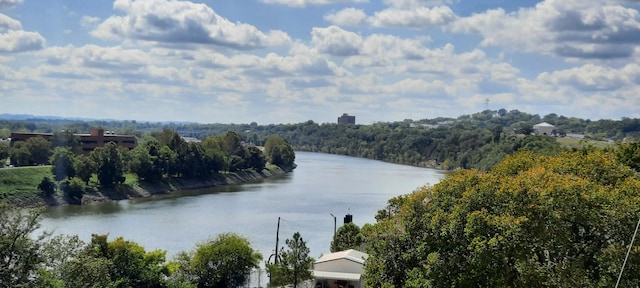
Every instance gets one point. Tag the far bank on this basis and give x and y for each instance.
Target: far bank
(19, 186)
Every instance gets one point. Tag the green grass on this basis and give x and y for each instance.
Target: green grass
(20, 185)
(579, 143)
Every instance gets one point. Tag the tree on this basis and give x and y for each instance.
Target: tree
(19, 154)
(110, 165)
(66, 138)
(255, 159)
(223, 262)
(73, 190)
(629, 154)
(4, 152)
(63, 163)
(39, 149)
(279, 152)
(120, 263)
(85, 167)
(347, 237)
(20, 245)
(47, 187)
(295, 265)
(531, 221)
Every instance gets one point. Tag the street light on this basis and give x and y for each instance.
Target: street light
(334, 225)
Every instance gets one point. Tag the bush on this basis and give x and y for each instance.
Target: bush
(47, 187)
(73, 189)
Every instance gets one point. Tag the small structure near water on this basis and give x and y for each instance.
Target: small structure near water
(342, 269)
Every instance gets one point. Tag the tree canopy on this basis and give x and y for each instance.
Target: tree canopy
(531, 221)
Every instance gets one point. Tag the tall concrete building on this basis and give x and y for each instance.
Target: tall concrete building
(346, 119)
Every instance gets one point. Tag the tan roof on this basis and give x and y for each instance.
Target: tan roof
(350, 254)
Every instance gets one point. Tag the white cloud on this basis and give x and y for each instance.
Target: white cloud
(183, 22)
(567, 28)
(303, 3)
(346, 17)
(19, 41)
(89, 22)
(418, 17)
(416, 3)
(335, 41)
(9, 3)
(8, 23)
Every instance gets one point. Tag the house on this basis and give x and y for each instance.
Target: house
(346, 119)
(544, 128)
(342, 269)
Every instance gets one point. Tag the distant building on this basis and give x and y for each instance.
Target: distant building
(88, 142)
(544, 128)
(346, 119)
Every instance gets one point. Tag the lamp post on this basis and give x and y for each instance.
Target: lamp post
(334, 225)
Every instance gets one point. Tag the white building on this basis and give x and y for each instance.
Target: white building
(342, 269)
(544, 128)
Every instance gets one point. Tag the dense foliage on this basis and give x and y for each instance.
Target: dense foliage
(531, 221)
(347, 237)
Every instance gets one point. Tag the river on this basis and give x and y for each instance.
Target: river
(321, 185)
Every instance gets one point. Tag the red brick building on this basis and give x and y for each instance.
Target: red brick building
(88, 142)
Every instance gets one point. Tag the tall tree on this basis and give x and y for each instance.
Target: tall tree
(63, 163)
(40, 150)
(295, 265)
(110, 165)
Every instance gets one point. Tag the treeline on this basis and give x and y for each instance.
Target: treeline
(157, 156)
(478, 140)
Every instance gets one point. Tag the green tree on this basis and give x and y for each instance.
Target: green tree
(47, 187)
(347, 237)
(4, 152)
(40, 149)
(110, 165)
(295, 265)
(255, 159)
(67, 138)
(73, 190)
(120, 262)
(20, 244)
(223, 262)
(279, 152)
(146, 161)
(5, 133)
(19, 154)
(531, 221)
(629, 154)
(85, 167)
(63, 163)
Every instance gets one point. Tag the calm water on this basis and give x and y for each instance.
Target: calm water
(304, 200)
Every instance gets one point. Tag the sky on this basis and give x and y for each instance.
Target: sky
(289, 61)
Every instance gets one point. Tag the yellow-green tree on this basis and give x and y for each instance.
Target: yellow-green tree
(531, 221)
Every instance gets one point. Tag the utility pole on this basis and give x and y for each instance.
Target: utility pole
(277, 239)
(334, 225)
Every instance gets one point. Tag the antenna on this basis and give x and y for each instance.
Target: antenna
(486, 104)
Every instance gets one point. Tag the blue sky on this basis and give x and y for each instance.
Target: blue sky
(289, 61)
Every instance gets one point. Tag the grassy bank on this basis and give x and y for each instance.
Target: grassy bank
(19, 186)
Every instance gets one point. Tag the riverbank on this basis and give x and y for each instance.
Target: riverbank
(27, 179)
(144, 189)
